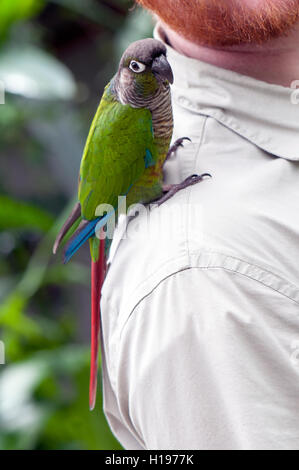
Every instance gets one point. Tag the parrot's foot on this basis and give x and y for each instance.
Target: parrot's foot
(171, 189)
(178, 143)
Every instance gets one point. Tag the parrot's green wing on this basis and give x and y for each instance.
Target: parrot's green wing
(119, 148)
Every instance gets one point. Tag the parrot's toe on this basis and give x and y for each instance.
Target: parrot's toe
(178, 143)
(171, 190)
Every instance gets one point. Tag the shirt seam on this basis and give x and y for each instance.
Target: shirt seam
(235, 271)
(251, 263)
(231, 270)
(236, 126)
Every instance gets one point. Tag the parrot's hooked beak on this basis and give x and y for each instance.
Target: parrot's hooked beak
(162, 69)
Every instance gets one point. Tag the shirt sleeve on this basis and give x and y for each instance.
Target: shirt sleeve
(204, 362)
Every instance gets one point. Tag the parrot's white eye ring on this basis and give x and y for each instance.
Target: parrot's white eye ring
(137, 67)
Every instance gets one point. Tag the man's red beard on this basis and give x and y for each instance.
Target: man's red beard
(227, 22)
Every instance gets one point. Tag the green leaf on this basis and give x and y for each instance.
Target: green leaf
(12, 316)
(16, 214)
(31, 72)
(12, 11)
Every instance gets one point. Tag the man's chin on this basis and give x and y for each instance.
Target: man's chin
(220, 23)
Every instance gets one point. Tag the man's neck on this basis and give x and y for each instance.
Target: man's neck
(276, 62)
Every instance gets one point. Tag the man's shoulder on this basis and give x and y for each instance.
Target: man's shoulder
(205, 227)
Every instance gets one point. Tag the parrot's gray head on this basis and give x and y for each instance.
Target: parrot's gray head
(144, 72)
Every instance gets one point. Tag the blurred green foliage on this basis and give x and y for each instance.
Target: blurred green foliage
(55, 58)
(11, 12)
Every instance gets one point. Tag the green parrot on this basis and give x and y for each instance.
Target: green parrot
(126, 148)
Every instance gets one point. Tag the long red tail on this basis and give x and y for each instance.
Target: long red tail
(98, 270)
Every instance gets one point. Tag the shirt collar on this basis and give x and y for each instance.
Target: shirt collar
(262, 113)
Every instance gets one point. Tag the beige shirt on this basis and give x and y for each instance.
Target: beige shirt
(201, 319)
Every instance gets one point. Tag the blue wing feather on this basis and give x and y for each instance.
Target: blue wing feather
(83, 235)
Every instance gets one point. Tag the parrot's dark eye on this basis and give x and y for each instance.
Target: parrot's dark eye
(137, 67)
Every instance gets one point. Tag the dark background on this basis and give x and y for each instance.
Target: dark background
(55, 58)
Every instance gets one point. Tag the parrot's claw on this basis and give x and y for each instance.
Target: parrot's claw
(178, 143)
(171, 190)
